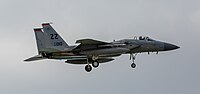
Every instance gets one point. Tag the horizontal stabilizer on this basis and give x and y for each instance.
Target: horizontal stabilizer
(37, 57)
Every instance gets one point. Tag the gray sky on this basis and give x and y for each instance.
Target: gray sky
(174, 21)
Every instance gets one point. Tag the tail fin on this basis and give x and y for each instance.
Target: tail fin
(39, 35)
(49, 40)
(54, 39)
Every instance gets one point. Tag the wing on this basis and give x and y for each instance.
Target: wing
(84, 61)
(90, 42)
(87, 44)
(34, 58)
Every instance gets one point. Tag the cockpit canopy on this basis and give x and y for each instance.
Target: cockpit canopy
(126, 41)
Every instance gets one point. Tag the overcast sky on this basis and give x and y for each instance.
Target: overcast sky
(173, 21)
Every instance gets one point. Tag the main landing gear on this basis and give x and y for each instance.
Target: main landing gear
(94, 63)
(132, 56)
(88, 67)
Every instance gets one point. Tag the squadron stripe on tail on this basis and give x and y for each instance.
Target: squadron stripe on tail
(37, 29)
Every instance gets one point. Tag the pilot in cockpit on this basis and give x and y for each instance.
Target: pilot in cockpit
(141, 38)
(145, 38)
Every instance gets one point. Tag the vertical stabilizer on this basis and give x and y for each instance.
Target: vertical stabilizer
(52, 39)
(39, 35)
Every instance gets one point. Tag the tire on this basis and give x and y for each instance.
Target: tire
(95, 64)
(88, 68)
(133, 65)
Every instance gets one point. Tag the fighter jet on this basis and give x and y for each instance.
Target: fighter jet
(92, 52)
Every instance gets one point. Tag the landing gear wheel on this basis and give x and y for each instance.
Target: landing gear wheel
(88, 68)
(133, 65)
(95, 64)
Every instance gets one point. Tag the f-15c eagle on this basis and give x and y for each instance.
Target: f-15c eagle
(89, 51)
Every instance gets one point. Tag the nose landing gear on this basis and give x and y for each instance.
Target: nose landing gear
(132, 56)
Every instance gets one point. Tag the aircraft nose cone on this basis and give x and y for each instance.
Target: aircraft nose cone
(168, 47)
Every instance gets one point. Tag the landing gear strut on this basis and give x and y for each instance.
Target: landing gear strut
(132, 56)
